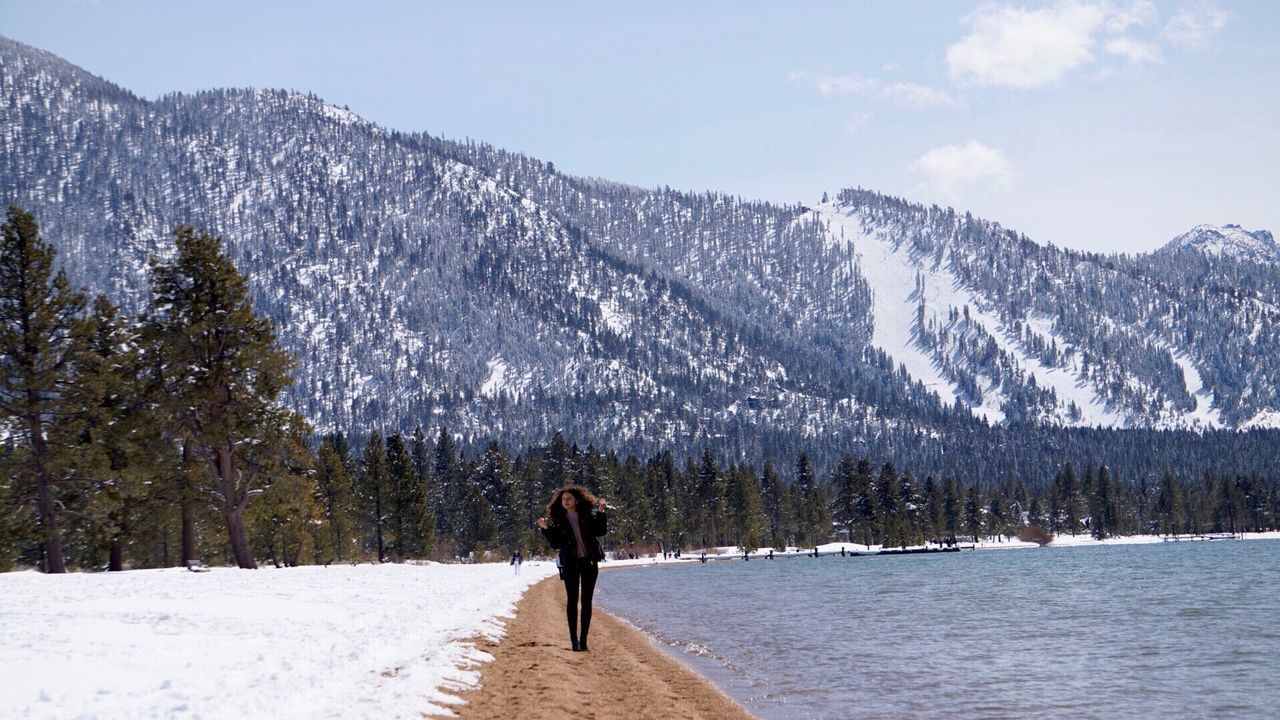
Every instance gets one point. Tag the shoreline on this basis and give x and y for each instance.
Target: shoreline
(535, 674)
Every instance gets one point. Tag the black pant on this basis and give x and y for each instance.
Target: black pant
(579, 573)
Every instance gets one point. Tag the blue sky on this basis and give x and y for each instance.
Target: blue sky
(1095, 124)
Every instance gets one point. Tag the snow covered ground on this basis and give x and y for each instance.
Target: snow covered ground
(370, 641)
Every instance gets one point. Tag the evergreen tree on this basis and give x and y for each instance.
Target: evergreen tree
(286, 522)
(1071, 498)
(950, 509)
(446, 501)
(752, 527)
(865, 507)
(1104, 506)
(116, 445)
(709, 484)
(373, 491)
(42, 331)
(932, 514)
(226, 374)
(845, 483)
(972, 513)
(814, 514)
(336, 499)
(886, 507)
(412, 527)
(775, 506)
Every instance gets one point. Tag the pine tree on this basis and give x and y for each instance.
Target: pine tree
(373, 491)
(42, 331)
(972, 513)
(1071, 504)
(845, 482)
(775, 506)
(412, 527)
(337, 499)
(886, 508)
(950, 509)
(1104, 505)
(116, 444)
(446, 496)
(225, 374)
(286, 523)
(708, 486)
(932, 515)
(752, 526)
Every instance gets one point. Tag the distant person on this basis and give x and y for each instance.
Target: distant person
(577, 518)
(516, 560)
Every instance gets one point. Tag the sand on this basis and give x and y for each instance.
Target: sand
(536, 675)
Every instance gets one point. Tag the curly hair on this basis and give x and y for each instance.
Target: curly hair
(586, 501)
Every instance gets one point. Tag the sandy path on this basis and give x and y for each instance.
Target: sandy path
(535, 675)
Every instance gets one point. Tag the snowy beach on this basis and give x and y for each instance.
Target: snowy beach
(369, 641)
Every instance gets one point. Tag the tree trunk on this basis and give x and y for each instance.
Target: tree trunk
(377, 508)
(188, 531)
(187, 501)
(115, 562)
(222, 466)
(50, 538)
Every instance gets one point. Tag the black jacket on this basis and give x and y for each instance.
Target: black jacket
(592, 524)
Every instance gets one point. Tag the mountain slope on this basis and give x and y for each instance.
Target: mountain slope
(422, 281)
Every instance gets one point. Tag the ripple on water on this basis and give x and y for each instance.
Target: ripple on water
(1135, 631)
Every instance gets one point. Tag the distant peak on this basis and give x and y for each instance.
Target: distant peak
(1227, 240)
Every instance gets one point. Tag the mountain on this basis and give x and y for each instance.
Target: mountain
(424, 281)
(1227, 240)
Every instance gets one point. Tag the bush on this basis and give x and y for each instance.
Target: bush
(1035, 534)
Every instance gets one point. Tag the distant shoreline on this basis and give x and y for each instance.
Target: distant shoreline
(727, 553)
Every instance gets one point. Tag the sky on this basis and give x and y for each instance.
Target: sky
(1101, 125)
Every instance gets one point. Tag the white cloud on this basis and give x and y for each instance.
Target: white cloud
(1194, 25)
(916, 96)
(1136, 52)
(958, 172)
(1122, 17)
(832, 84)
(858, 120)
(900, 93)
(1015, 47)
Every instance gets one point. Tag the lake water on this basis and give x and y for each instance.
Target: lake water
(1185, 630)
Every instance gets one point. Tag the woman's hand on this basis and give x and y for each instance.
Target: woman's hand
(542, 523)
(600, 505)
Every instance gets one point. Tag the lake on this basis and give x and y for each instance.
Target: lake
(1188, 630)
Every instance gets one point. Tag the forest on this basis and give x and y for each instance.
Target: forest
(163, 439)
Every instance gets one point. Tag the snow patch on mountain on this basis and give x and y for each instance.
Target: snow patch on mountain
(893, 284)
(1204, 415)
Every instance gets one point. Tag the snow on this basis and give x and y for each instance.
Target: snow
(1263, 419)
(497, 372)
(893, 283)
(613, 318)
(367, 641)
(1204, 414)
(892, 274)
(1228, 240)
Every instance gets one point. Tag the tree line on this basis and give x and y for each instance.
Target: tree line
(161, 439)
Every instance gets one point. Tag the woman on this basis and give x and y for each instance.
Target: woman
(573, 528)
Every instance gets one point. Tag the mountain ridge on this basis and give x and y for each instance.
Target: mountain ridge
(421, 281)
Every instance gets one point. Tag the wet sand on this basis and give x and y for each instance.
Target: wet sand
(536, 675)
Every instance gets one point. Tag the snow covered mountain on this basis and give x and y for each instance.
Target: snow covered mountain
(421, 281)
(1229, 240)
